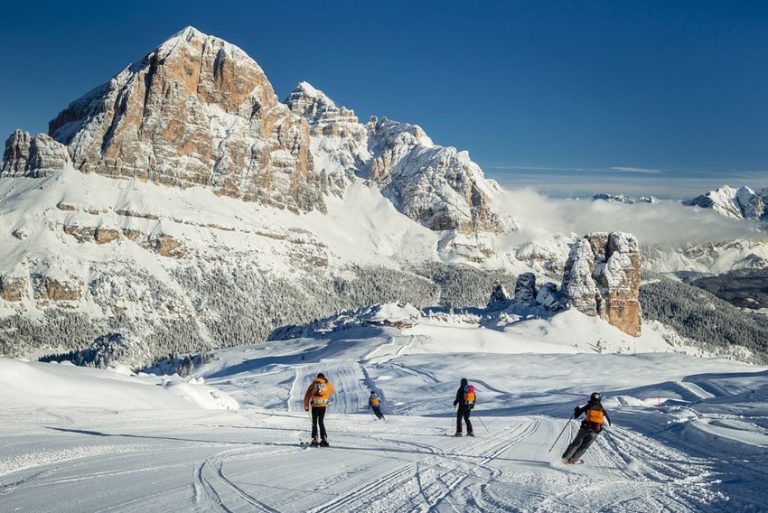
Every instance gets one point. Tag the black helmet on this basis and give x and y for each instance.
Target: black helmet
(321, 375)
(463, 381)
(595, 397)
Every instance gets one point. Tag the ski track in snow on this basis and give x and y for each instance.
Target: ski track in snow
(371, 466)
(253, 460)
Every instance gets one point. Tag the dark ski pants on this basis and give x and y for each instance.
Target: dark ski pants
(377, 412)
(463, 413)
(580, 444)
(318, 415)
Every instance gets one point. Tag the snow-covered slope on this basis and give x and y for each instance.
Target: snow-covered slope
(688, 435)
(738, 203)
(27, 385)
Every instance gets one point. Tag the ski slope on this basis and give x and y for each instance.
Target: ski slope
(690, 434)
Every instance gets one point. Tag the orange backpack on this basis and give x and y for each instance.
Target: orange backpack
(321, 393)
(469, 395)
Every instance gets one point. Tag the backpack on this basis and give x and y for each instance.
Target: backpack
(469, 395)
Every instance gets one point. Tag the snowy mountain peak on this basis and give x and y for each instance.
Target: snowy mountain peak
(738, 203)
(322, 114)
(190, 40)
(196, 111)
(305, 90)
(437, 186)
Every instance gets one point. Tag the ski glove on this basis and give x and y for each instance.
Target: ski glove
(576, 412)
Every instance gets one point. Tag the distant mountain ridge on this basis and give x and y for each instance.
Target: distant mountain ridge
(737, 203)
(198, 111)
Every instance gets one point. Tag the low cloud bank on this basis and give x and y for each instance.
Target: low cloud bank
(666, 223)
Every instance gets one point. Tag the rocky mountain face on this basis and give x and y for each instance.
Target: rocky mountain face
(196, 111)
(741, 203)
(437, 186)
(33, 157)
(339, 142)
(602, 278)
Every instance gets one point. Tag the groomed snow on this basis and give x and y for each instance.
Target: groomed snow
(690, 434)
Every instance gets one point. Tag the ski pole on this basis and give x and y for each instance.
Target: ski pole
(481, 422)
(567, 423)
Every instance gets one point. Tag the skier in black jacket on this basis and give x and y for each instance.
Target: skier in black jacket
(465, 399)
(591, 426)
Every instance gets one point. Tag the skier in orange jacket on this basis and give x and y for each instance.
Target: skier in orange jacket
(318, 394)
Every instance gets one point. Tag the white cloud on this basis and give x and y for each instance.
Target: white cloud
(667, 223)
(639, 170)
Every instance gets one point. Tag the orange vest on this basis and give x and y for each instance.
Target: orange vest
(375, 401)
(595, 416)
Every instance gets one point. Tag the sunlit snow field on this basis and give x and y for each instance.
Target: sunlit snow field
(690, 434)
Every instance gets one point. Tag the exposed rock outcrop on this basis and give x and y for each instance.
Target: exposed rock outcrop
(47, 288)
(498, 296)
(437, 186)
(167, 246)
(602, 278)
(32, 157)
(12, 288)
(528, 297)
(549, 297)
(105, 235)
(195, 111)
(339, 142)
(525, 288)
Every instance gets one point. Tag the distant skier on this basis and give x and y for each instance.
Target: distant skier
(374, 403)
(591, 426)
(317, 396)
(465, 399)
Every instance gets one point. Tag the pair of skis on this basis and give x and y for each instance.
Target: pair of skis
(305, 444)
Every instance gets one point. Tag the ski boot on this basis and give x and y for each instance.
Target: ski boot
(324, 443)
(471, 434)
(458, 433)
(313, 443)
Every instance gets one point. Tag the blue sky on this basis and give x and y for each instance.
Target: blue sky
(636, 96)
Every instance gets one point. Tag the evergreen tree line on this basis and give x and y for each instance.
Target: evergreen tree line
(232, 304)
(696, 314)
